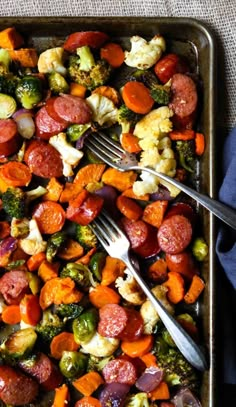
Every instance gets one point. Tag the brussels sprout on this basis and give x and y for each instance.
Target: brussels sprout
(73, 364)
(7, 106)
(75, 131)
(167, 338)
(57, 83)
(77, 272)
(199, 249)
(29, 91)
(97, 263)
(84, 327)
(19, 344)
(54, 244)
(34, 283)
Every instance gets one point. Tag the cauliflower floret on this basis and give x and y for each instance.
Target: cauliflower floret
(148, 185)
(137, 400)
(19, 227)
(129, 289)
(149, 315)
(150, 158)
(144, 54)
(33, 243)
(104, 110)
(100, 346)
(70, 155)
(156, 124)
(51, 60)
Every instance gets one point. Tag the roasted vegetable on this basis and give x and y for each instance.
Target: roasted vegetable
(5, 61)
(68, 311)
(77, 272)
(186, 154)
(199, 249)
(96, 364)
(7, 106)
(14, 203)
(73, 364)
(29, 91)
(54, 244)
(84, 327)
(19, 344)
(127, 118)
(86, 237)
(8, 84)
(97, 263)
(86, 71)
(49, 326)
(57, 83)
(75, 131)
(160, 93)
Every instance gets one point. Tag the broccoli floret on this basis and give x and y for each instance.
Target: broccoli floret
(54, 244)
(177, 370)
(86, 71)
(13, 201)
(5, 61)
(68, 311)
(49, 326)
(97, 364)
(127, 118)
(199, 249)
(186, 154)
(57, 83)
(8, 84)
(160, 93)
(29, 91)
(86, 237)
(77, 272)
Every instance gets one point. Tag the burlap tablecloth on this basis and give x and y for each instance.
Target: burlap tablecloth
(219, 14)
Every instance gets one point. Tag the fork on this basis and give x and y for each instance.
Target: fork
(113, 154)
(117, 245)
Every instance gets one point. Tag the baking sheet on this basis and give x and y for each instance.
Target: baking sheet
(193, 39)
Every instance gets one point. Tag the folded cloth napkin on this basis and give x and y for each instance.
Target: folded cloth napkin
(226, 251)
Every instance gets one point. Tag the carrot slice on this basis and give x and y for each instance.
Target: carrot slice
(88, 401)
(137, 97)
(34, 261)
(54, 188)
(184, 135)
(78, 90)
(113, 54)
(119, 180)
(109, 93)
(195, 289)
(11, 315)
(70, 192)
(175, 285)
(26, 57)
(88, 383)
(61, 397)
(199, 143)
(139, 347)
(30, 310)
(89, 173)
(15, 174)
(50, 217)
(86, 258)
(102, 295)
(130, 194)
(161, 392)
(59, 291)
(129, 208)
(113, 268)
(157, 271)
(149, 359)
(154, 213)
(10, 38)
(4, 229)
(62, 342)
(130, 143)
(47, 271)
(71, 250)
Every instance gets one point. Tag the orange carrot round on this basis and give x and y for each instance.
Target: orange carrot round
(199, 143)
(175, 285)
(139, 347)
(88, 401)
(63, 342)
(130, 143)
(137, 97)
(113, 54)
(34, 261)
(11, 315)
(50, 217)
(15, 174)
(30, 310)
(102, 295)
(129, 208)
(61, 397)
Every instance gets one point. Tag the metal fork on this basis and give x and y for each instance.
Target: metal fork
(113, 154)
(117, 245)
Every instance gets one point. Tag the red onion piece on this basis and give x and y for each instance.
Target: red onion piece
(150, 379)
(114, 394)
(109, 194)
(163, 194)
(185, 397)
(25, 123)
(7, 247)
(80, 142)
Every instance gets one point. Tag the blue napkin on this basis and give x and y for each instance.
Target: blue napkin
(226, 251)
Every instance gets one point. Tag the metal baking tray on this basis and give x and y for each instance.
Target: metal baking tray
(194, 40)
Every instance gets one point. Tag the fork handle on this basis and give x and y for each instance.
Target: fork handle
(182, 340)
(220, 210)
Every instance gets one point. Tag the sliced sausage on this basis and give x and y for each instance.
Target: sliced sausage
(43, 160)
(112, 320)
(142, 237)
(182, 208)
(184, 95)
(9, 138)
(72, 109)
(85, 212)
(52, 113)
(182, 263)
(13, 286)
(134, 326)
(182, 123)
(93, 39)
(44, 371)
(120, 371)
(175, 234)
(16, 388)
(46, 126)
(170, 64)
